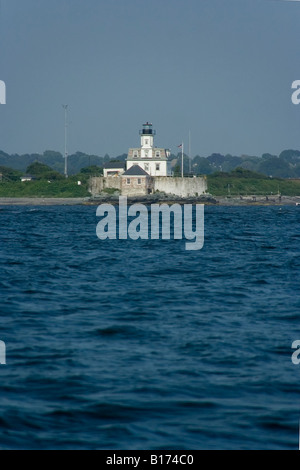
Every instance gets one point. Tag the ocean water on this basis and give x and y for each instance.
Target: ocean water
(143, 345)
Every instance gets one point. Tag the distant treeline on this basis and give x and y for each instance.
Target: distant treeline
(54, 160)
(285, 165)
(46, 182)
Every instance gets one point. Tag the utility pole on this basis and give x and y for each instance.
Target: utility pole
(182, 160)
(190, 153)
(65, 106)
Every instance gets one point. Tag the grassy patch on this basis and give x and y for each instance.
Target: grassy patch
(110, 191)
(225, 186)
(61, 188)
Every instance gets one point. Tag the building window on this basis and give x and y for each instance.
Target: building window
(147, 142)
(139, 181)
(128, 181)
(157, 154)
(146, 166)
(157, 167)
(135, 155)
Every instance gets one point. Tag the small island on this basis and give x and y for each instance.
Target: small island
(265, 180)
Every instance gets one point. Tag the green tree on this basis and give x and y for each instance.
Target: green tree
(291, 156)
(9, 174)
(43, 172)
(201, 166)
(177, 170)
(276, 167)
(92, 171)
(244, 173)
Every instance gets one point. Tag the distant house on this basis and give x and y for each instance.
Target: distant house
(26, 178)
(136, 182)
(113, 169)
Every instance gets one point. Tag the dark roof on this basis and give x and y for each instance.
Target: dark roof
(135, 170)
(114, 165)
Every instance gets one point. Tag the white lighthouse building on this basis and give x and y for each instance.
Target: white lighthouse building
(151, 159)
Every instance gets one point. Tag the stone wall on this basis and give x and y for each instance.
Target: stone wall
(97, 184)
(139, 186)
(186, 187)
(182, 187)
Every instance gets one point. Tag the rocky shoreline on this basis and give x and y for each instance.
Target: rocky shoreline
(155, 199)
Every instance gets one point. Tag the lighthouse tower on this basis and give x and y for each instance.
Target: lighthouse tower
(151, 159)
(147, 138)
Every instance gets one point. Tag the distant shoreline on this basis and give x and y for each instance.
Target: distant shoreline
(210, 201)
(35, 201)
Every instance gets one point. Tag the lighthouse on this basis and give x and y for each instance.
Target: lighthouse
(147, 137)
(151, 159)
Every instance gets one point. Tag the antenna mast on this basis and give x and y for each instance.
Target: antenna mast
(65, 106)
(190, 153)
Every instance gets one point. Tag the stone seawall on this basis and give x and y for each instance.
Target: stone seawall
(182, 187)
(186, 187)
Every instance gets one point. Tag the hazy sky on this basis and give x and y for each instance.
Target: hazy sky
(222, 69)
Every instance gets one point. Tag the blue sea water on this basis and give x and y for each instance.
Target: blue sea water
(144, 345)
